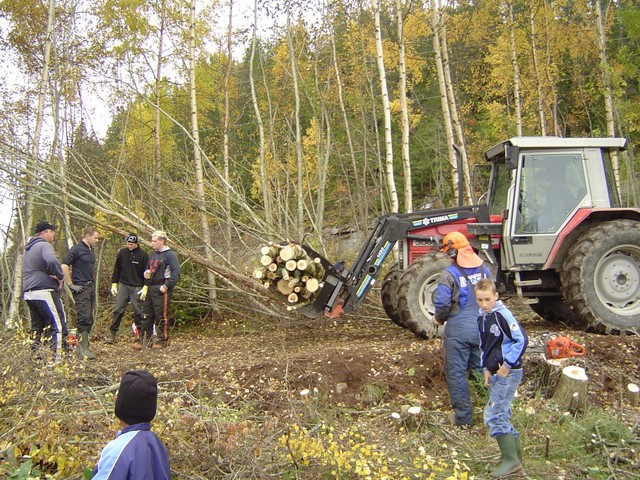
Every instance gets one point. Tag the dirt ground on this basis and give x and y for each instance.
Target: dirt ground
(341, 359)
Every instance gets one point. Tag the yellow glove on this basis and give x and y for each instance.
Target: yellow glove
(114, 289)
(143, 293)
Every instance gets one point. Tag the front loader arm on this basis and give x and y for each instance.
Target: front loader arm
(352, 286)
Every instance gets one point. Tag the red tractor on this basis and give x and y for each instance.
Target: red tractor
(552, 229)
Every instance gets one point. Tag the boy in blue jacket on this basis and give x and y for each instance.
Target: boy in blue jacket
(502, 344)
(136, 453)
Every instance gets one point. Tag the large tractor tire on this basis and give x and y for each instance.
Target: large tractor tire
(601, 277)
(389, 296)
(416, 292)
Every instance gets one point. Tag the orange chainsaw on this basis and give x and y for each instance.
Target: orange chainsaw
(557, 346)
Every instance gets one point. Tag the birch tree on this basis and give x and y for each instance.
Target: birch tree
(404, 111)
(298, 129)
(511, 28)
(384, 92)
(201, 202)
(607, 88)
(11, 320)
(444, 102)
(266, 198)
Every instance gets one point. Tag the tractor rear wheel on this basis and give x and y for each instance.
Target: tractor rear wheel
(601, 276)
(416, 292)
(389, 295)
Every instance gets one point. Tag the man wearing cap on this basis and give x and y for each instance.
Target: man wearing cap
(42, 280)
(137, 452)
(126, 281)
(456, 307)
(78, 265)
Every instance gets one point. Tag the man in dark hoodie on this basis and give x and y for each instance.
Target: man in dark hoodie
(161, 275)
(126, 281)
(42, 280)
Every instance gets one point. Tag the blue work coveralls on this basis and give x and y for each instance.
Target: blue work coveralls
(456, 305)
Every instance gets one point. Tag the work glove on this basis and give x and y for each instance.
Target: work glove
(76, 288)
(143, 293)
(114, 289)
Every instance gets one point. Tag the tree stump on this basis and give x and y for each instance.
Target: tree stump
(571, 392)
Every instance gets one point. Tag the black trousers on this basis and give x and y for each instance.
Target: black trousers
(156, 312)
(85, 305)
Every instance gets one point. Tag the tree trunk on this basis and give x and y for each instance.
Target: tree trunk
(453, 109)
(446, 114)
(607, 87)
(12, 318)
(404, 112)
(156, 174)
(515, 69)
(391, 183)
(266, 197)
(226, 161)
(300, 194)
(536, 73)
(358, 205)
(201, 203)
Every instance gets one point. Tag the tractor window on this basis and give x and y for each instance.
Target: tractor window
(500, 182)
(551, 187)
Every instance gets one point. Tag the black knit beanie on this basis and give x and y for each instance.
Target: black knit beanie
(137, 397)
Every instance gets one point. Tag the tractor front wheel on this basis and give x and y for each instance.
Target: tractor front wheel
(601, 276)
(416, 292)
(389, 295)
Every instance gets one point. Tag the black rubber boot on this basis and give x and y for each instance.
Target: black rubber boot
(510, 463)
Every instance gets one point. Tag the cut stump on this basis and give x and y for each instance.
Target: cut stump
(571, 392)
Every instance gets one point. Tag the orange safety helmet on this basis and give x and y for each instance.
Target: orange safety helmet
(459, 249)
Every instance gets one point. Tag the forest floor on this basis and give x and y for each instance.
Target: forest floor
(245, 398)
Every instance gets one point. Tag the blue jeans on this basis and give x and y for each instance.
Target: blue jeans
(497, 413)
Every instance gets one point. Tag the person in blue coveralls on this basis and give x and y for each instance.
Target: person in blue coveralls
(456, 308)
(136, 453)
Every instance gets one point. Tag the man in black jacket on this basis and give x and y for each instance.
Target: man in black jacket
(126, 282)
(42, 280)
(78, 267)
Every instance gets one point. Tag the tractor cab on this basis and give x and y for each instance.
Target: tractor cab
(544, 187)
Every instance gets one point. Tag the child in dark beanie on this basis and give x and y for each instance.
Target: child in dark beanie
(136, 453)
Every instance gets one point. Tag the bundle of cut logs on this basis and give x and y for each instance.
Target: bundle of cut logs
(287, 270)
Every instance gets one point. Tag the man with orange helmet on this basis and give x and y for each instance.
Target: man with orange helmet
(456, 307)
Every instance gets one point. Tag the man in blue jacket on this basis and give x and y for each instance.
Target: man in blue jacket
(42, 280)
(136, 453)
(457, 309)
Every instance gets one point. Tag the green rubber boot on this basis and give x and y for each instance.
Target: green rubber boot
(516, 438)
(83, 346)
(510, 463)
